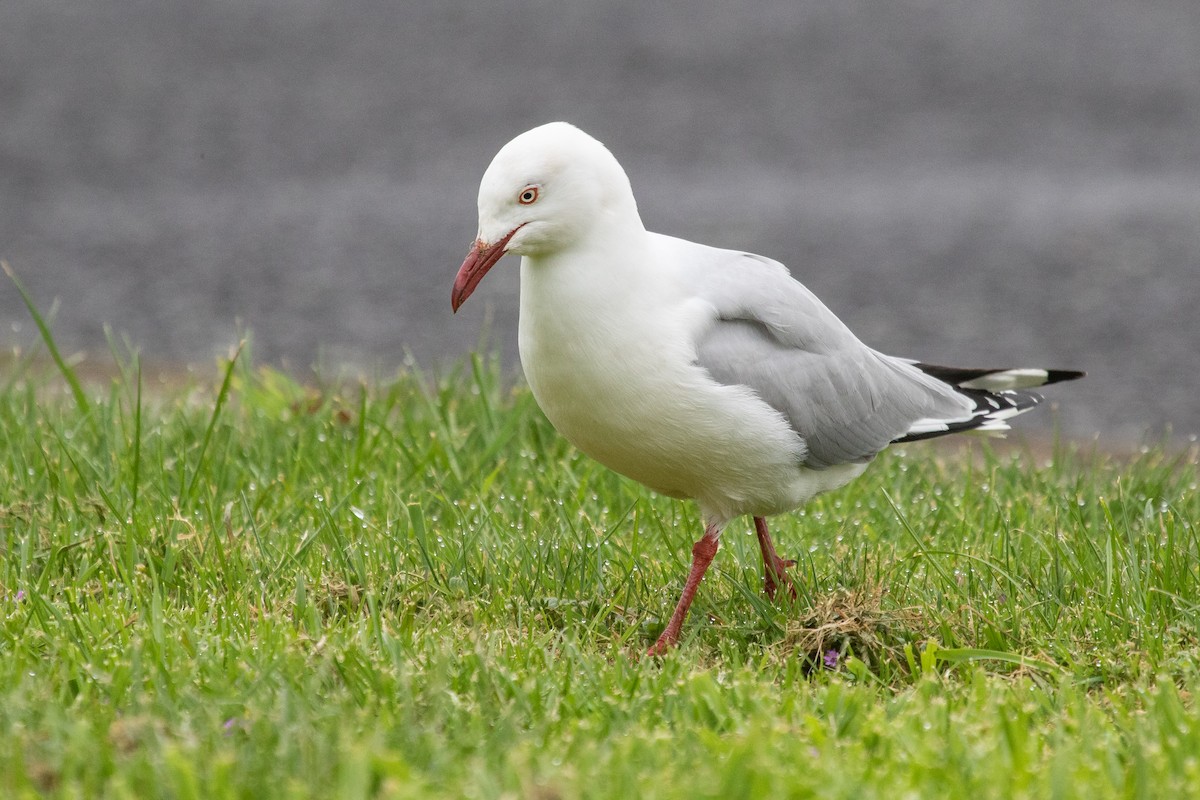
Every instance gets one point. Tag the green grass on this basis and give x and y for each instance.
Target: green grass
(415, 588)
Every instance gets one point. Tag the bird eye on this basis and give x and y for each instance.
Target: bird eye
(528, 195)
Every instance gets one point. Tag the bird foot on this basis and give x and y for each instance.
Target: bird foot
(776, 574)
(661, 647)
(774, 567)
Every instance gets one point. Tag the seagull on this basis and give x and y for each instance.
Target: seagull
(702, 373)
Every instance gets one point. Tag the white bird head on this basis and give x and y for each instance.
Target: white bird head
(544, 192)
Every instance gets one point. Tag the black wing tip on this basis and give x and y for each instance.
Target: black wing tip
(956, 376)
(1060, 375)
(990, 407)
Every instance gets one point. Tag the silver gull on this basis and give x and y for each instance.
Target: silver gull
(702, 373)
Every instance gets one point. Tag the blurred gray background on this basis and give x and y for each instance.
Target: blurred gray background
(990, 182)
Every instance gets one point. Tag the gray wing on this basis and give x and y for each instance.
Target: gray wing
(847, 401)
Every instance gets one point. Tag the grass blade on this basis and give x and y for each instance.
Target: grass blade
(222, 396)
(48, 339)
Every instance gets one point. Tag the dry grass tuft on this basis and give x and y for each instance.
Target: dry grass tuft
(852, 622)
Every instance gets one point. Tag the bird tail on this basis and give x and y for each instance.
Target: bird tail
(998, 394)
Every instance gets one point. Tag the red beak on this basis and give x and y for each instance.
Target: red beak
(481, 258)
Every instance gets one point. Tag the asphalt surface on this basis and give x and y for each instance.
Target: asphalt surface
(1003, 182)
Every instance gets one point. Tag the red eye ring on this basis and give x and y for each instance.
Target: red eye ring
(528, 195)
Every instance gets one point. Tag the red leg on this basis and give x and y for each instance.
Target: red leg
(774, 567)
(702, 555)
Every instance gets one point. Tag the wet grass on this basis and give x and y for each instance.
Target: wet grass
(255, 587)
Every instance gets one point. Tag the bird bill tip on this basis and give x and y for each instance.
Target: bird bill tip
(479, 260)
